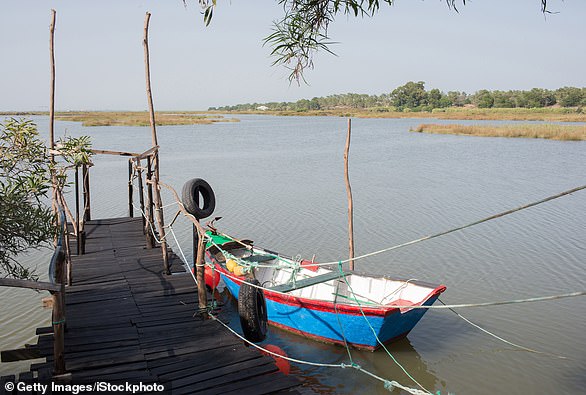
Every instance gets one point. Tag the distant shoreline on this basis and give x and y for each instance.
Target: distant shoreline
(130, 118)
(140, 118)
(553, 114)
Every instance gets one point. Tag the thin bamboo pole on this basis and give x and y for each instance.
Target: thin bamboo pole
(349, 194)
(157, 191)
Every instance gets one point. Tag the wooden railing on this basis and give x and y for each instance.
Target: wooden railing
(148, 206)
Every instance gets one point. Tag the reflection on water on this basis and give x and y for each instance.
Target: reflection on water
(279, 181)
(328, 380)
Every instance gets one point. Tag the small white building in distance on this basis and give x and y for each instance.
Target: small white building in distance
(262, 108)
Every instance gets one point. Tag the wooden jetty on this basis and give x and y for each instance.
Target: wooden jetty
(128, 322)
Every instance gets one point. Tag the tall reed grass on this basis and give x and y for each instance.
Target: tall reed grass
(537, 131)
(133, 118)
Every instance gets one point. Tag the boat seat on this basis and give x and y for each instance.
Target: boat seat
(307, 282)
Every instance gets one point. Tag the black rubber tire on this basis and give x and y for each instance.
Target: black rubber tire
(190, 193)
(252, 309)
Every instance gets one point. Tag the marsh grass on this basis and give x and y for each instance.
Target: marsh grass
(536, 131)
(99, 118)
(509, 114)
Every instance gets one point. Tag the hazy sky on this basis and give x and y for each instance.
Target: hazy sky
(492, 44)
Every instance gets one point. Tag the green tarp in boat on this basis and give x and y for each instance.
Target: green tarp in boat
(217, 239)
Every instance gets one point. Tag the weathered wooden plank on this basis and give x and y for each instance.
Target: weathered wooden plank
(90, 347)
(38, 285)
(98, 297)
(258, 385)
(21, 354)
(101, 362)
(202, 363)
(226, 377)
(128, 367)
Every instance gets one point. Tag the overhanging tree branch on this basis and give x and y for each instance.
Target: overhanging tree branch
(303, 30)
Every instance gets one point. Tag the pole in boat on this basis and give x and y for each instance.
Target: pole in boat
(349, 193)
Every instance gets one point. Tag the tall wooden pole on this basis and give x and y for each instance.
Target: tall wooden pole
(349, 193)
(52, 100)
(157, 191)
(52, 106)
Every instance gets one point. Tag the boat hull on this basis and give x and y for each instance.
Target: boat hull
(363, 327)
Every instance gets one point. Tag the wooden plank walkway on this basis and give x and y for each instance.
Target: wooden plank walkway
(127, 322)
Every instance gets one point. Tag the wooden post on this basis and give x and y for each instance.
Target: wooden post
(149, 211)
(78, 232)
(157, 191)
(201, 284)
(195, 242)
(54, 199)
(150, 188)
(52, 99)
(58, 316)
(67, 251)
(349, 194)
(85, 174)
(141, 194)
(130, 207)
(199, 268)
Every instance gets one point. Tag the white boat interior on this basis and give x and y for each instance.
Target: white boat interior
(283, 274)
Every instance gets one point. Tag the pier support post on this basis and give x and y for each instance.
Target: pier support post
(130, 207)
(199, 265)
(141, 194)
(85, 174)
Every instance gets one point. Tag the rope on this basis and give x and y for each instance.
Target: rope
(500, 338)
(495, 216)
(343, 275)
(444, 306)
(295, 266)
(388, 384)
(340, 323)
(153, 230)
(528, 300)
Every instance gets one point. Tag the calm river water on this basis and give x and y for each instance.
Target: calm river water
(279, 181)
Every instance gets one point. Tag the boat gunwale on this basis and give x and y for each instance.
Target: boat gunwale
(329, 306)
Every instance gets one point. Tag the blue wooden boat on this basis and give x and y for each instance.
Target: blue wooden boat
(319, 302)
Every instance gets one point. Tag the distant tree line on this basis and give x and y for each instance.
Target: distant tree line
(414, 97)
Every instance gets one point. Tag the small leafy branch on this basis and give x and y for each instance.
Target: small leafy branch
(75, 151)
